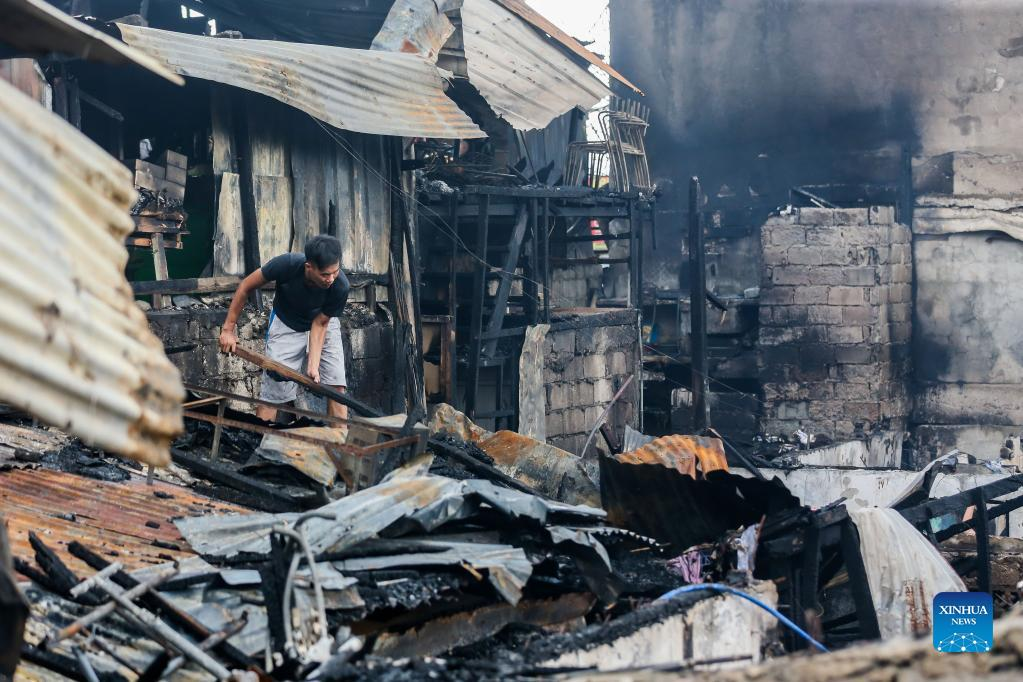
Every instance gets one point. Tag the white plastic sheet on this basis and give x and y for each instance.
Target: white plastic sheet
(904, 571)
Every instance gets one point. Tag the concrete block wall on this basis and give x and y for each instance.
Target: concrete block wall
(571, 286)
(584, 368)
(368, 355)
(835, 321)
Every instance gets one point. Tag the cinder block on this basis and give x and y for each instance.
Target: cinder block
(575, 420)
(594, 366)
(791, 275)
(584, 393)
(803, 255)
(555, 423)
(850, 216)
(826, 238)
(859, 314)
(790, 235)
(810, 295)
(837, 255)
(847, 296)
(824, 314)
(792, 410)
(617, 363)
(790, 315)
(881, 215)
(603, 391)
(563, 341)
(816, 216)
(827, 275)
(854, 355)
(846, 334)
(559, 397)
(773, 295)
(860, 277)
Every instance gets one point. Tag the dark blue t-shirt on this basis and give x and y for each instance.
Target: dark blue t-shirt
(295, 301)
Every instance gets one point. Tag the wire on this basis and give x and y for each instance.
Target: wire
(726, 589)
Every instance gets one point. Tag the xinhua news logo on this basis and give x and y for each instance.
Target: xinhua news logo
(963, 622)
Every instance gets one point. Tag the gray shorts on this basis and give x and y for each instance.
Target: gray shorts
(290, 348)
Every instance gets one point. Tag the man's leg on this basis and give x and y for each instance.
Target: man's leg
(287, 347)
(336, 409)
(332, 367)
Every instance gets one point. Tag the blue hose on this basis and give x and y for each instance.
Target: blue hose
(718, 587)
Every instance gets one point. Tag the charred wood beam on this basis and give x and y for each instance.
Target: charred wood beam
(504, 286)
(269, 497)
(960, 501)
(993, 513)
(867, 616)
(698, 311)
(478, 296)
(980, 526)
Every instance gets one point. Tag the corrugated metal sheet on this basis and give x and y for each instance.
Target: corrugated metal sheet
(75, 350)
(540, 22)
(524, 78)
(384, 93)
(37, 27)
(422, 502)
(110, 518)
(415, 27)
(682, 453)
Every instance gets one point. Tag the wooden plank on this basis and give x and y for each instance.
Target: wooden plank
(229, 235)
(960, 501)
(159, 266)
(273, 215)
(151, 169)
(149, 225)
(147, 243)
(201, 285)
(176, 175)
(172, 158)
(223, 131)
(504, 287)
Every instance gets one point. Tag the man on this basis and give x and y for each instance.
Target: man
(304, 332)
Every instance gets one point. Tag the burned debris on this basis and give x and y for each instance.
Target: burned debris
(403, 339)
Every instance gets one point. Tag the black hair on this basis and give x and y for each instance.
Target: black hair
(323, 251)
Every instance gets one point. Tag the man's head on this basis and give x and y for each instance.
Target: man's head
(322, 260)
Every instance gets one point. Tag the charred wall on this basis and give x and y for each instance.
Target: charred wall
(756, 96)
(835, 322)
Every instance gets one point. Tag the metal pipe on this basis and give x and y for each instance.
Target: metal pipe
(168, 633)
(87, 584)
(84, 665)
(210, 642)
(105, 610)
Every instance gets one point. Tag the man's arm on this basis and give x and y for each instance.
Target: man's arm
(317, 334)
(228, 337)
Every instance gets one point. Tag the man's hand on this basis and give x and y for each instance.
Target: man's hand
(314, 371)
(228, 340)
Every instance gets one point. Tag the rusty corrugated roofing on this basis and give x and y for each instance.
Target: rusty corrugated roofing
(681, 453)
(367, 91)
(75, 350)
(36, 27)
(525, 79)
(110, 518)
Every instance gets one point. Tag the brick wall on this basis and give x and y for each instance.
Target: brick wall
(571, 286)
(367, 352)
(585, 367)
(835, 321)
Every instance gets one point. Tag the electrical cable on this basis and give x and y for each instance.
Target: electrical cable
(726, 589)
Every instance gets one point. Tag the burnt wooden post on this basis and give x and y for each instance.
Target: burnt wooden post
(530, 287)
(246, 186)
(698, 311)
(478, 296)
(453, 301)
(980, 527)
(809, 573)
(865, 613)
(546, 264)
